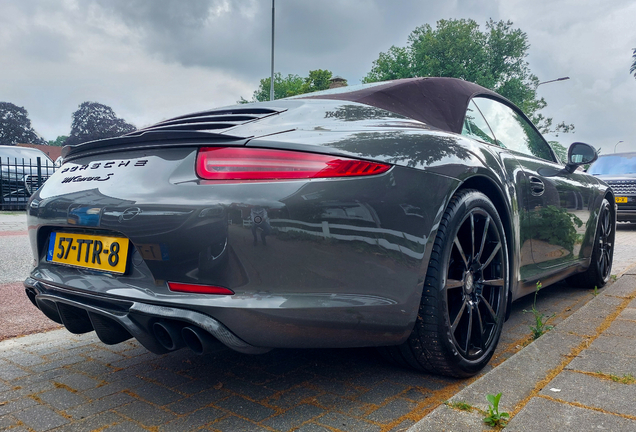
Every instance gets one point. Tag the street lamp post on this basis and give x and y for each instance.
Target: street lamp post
(554, 80)
(271, 80)
(616, 145)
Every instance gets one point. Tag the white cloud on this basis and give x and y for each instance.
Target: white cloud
(152, 60)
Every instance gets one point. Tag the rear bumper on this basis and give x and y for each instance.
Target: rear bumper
(115, 321)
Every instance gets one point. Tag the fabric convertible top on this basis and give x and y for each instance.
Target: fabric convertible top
(438, 102)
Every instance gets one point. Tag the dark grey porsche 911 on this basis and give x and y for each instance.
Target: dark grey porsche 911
(405, 215)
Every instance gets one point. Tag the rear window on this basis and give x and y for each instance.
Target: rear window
(614, 165)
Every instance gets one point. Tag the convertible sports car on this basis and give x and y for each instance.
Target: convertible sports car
(405, 215)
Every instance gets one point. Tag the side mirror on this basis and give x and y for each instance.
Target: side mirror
(580, 154)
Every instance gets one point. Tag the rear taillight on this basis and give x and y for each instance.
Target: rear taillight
(198, 289)
(240, 163)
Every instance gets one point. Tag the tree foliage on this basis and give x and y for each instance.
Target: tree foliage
(15, 126)
(59, 141)
(291, 85)
(494, 58)
(94, 121)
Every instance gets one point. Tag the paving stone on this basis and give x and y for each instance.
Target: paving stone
(8, 421)
(246, 389)
(40, 418)
(56, 364)
(245, 408)
(517, 377)
(26, 359)
(591, 360)
(346, 423)
(100, 405)
(156, 394)
(125, 426)
(590, 316)
(192, 421)
(416, 395)
(9, 372)
(336, 387)
(614, 344)
(289, 381)
(236, 424)
(198, 385)
(92, 368)
(94, 423)
(594, 392)
(198, 401)
(447, 419)
(312, 427)
(61, 399)
(292, 397)
(293, 417)
(132, 361)
(347, 406)
(104, 356)
(381, 392)
(623, 328)
(114, 387)
(145, 413)
(16, 405)
(560, 417)
(403, 426)
(77, 381)
(629, 313)
(391, 411)
(167, 378)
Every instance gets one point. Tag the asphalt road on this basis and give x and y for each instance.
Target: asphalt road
(58, 381)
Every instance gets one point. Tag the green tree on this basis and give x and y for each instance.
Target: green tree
(291, 85)
(15, 126)
(94, 121)
(494, 58)
(59, 141)
(560, 150)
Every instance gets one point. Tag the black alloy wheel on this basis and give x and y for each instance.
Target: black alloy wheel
(475, 283)
(465, 292)
(599, 271)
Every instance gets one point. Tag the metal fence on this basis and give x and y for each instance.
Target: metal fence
(20, 178)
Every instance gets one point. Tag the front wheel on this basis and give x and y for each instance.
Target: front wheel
(465, 293)
(598, 273)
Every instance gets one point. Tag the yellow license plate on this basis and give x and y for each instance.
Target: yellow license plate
(621, 199)
(96, 252)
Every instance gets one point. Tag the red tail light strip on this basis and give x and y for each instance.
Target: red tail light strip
(198, 289)
(240, 163)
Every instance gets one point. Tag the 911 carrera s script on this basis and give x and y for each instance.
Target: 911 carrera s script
(77, 179)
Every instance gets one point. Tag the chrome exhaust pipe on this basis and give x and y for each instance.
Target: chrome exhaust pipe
(200, 341)
(168, 334)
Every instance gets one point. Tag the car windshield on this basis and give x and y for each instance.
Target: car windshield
(614, 164)
(20, 153)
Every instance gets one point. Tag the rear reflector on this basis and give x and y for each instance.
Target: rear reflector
(232, 163)
(198, 289)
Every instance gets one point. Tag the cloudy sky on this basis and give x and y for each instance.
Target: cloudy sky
(154, 59)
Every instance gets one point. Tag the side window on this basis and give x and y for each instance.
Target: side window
(476, 127)
(512, 131)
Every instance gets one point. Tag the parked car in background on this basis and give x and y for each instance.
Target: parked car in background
(619, 171)
(405, 215)
(21, 174)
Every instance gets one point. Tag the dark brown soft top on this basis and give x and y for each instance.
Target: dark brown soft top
(438, 102)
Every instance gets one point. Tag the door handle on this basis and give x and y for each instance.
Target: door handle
(536, 186)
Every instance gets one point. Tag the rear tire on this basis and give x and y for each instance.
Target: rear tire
(465, 293)
(600, 269)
